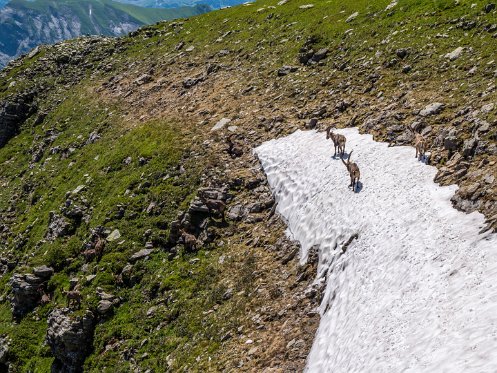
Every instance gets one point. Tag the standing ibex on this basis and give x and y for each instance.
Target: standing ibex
(189, 240)
(419, 143)
(216, 207)
(353, 172)
(73, 295)
(338, 141)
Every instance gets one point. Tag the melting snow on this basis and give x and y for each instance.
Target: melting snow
(417, 290)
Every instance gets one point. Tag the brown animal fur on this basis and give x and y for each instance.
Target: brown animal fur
(73, 297)
(338, 141)
(354, 172)
(419, 143)
(189, 240)
(99, 247)
(215, 206)
(89, 255)
(45, 298)
(235, 150)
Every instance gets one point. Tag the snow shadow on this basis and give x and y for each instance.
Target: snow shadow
(345, 156)
(358, 187)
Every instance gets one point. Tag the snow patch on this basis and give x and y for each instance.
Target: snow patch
(416, 291)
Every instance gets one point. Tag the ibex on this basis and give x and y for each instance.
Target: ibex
(419, 143)
(95, 252)
(235, 150)
(45, 298)
(73, 296)
(215, 206)
(353, 172)
(338, 141)
(189, 240)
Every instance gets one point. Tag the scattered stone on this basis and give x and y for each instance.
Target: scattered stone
(451, 142)
(285, 70)
(352, 17)
(58, 226)
(402, 53)
(93, 137)
(191, 82)
(320, 55)
(151, 311)
(469, 147)
(43, 272)
(306, 6)
(432, 109)
(455, 54)
(487, 108)
(34, 52)
(144, 79)
(313, 122)
(115, 235)
(237, 213)
(392, 5)
(220, 124)
(104, 307)
(489, 7)
(78, 189)
(142, 254)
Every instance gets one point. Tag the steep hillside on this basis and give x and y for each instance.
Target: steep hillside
(24, 24)
(128, 175)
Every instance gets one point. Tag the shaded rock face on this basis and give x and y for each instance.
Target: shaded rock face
(70, 339)
(13, 113)
(27, 290)
(57, 227)
(4, 350)
(210, 202)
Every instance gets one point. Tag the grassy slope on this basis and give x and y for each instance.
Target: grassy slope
(260, 41)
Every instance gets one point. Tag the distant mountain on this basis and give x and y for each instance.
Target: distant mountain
(215, 4)
(25, 24)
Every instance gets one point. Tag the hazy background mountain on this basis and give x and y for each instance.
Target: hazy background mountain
(26, 24)
(215, 4)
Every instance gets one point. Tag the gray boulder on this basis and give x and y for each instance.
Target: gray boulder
(142, 254)
(469, 147)
(25, 294)
(70, 339)
(432, 109)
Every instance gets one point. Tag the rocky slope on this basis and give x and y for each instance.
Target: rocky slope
(128, 172)
(25, 24)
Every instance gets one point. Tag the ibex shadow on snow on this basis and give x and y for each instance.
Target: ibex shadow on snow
(354, 172)
(338, 141)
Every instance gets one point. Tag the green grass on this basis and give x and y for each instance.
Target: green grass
(191, 315)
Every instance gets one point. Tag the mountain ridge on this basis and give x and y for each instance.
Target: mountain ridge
(25, 24)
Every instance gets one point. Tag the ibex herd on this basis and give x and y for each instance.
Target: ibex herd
(339, 143)
(354, 172)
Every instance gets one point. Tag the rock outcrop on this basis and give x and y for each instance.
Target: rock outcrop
(13, 112)
(70, 339)
(28, 289)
